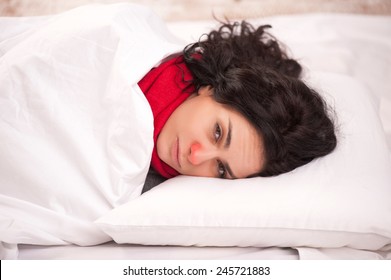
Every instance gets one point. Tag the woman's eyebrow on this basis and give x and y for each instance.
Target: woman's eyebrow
(229, 135)
(229, 170)
(226, 146)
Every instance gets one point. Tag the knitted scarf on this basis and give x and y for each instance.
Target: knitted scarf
(165, 89)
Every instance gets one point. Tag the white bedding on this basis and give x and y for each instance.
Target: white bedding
(353, 45)
(115, 251)
(76, 130)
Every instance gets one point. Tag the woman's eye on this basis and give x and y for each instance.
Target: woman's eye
(217, 132)
(221, 169)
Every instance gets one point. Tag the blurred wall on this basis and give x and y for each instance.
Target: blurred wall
(204, 9)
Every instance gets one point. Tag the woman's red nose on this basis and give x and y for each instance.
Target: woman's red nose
(194, 153)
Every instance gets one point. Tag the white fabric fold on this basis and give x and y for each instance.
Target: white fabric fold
(76, 130)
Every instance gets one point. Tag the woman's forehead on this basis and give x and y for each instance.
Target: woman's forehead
(246, 149)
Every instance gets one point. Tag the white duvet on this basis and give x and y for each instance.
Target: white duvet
(75, 129)
(76, 132)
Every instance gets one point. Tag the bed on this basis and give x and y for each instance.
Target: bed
(338, 207)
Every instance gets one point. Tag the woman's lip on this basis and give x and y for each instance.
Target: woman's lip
(175, 152)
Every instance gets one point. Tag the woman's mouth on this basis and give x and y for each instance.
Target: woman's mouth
(175, 153)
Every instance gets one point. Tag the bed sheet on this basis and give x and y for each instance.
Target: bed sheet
(115, 251)
(355, 45)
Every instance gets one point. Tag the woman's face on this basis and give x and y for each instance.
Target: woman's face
(205, 138)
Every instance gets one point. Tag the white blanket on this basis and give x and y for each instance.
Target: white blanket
(64, 163)
(75, 129)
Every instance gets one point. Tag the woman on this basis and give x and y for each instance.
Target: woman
(237, 108)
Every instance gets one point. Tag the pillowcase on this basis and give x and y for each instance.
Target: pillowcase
(342, 199)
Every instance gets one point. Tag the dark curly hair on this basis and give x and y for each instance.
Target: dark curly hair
(251, 73)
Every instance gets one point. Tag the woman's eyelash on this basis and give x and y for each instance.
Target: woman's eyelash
(221, 169)
(217, 132)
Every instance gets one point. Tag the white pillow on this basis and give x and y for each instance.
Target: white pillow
(343, 199)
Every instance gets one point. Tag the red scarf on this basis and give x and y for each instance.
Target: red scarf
(165, 90)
